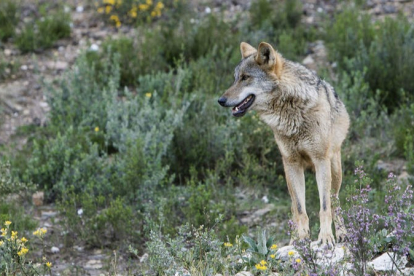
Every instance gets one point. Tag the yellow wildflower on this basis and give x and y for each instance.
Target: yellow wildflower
(149, 2)
(109, 2)
(263, 262)
(1, 243)
(23, 251)
(43, 230)
(114, 17)
(260, 267)
(13, 235)
(108, 9)
(49, 264)
(7, 223)
(36, 233)
(148, 95)
(23, 239)
(96, 129)
(101, 10)
(227, 244)
(133, 13)
(273, 247)
(159, 6)
(118, 3)
(118, 24)
(3, 232)
(153, 14)
(291, 253)
(272, 256)
(298, 260)
(143, 7)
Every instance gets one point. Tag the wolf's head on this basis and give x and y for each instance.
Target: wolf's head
(255, 78)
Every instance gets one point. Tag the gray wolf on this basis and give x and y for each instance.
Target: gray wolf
(309, 123)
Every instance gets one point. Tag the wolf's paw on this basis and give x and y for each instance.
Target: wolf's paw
(326, 239)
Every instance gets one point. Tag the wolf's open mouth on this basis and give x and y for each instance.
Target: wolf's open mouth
(240, 109)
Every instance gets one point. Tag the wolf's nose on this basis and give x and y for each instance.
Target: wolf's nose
(222, 101)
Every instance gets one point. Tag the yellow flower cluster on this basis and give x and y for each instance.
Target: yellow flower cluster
(227, 244)
(273, 247)
(261, 265)
(116, 20)
(22, 250)
(291, 253)
(40, 232)
(157, 10)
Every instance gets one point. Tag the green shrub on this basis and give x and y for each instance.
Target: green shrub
(384, 49)
(279, 23)
(8, 19)
(43, 33)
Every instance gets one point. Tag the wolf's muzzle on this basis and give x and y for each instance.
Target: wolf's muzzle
(222, 101)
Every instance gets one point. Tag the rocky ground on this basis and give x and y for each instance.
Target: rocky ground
(22, 102)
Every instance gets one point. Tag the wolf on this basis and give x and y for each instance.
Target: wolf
(309, 123)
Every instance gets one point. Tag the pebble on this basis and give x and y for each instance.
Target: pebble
(94, 48)
(23, 67)
(55, 250)
(7, 52)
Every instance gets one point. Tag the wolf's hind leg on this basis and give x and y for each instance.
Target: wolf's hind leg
(336, 168)
(295, 179)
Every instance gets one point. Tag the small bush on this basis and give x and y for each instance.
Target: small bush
(384, 49)
(278, 22)
(8, 19)
(43, 33)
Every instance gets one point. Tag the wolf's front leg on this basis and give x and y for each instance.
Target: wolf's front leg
(295, 179)
(323, 178)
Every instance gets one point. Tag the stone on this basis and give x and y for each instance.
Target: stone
(93, 264)
(7, 52)
(24, 67)
(385, 263)
(37, 198)
(308, 60)
(283, 253)
(48, 214)
(244, 273)
(57, 65)
(54, 249)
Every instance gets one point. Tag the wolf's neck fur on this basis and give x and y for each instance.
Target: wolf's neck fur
(286, 106)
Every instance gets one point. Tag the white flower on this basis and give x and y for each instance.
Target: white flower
(80, 212)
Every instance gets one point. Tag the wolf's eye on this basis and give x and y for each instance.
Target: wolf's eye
(244, 77)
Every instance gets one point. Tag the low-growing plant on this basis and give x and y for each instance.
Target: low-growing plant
(8, 19)
(14, 253)
(43, 33)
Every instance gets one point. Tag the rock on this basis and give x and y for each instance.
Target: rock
(385, 263)
(7, 52)
(24, 67)
(308, 60)
(257, 215)
(182, 272)
(48, 214)
(79, 9)
(244, 273)
(57, 65)
(283, 253)
(37, 198)
(93, 264)
(94, 48)
(55, 249)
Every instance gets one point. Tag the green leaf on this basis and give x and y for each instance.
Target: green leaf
(251, 243)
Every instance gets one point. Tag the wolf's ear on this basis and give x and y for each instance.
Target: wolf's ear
(268, 58)
(247, 49)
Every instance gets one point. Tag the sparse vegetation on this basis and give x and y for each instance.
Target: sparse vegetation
(138, 157)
